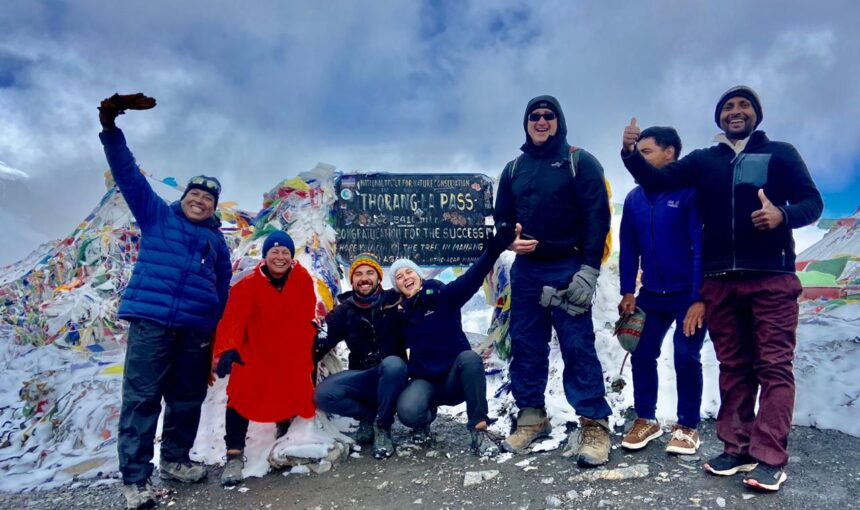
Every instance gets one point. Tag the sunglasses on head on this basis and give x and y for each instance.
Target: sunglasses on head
(209, 183)
(534, 117)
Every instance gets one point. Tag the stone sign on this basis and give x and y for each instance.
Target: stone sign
(433, 219)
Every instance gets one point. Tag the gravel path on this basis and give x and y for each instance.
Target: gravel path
(824, 471)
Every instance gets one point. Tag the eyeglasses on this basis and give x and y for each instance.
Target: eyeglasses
(534, 117)
(212, 184)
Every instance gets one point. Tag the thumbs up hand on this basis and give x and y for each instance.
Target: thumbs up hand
(769, 216)
(631, 136)
(523, 243)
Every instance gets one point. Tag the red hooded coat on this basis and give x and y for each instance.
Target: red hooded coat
(273, 333)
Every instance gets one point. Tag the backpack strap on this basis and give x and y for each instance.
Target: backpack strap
(574, 159)
(513, 164)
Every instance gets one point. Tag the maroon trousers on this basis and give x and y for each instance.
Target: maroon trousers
(752, 320)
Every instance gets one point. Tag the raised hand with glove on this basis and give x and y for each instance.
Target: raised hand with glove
(225, 363)
(116, 105)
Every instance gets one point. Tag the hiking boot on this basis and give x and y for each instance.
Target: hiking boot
(138, 495)
(483, 442)
(592, 442)
(282, 427)
(232, 474)
(725, 464)
(383, 445)
(185, 472)
(685, 441)
(421, 436)
(765, 478)
(364, 434)
(643, 432)
(532, 425)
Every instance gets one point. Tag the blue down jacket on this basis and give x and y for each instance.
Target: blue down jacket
(183, 270)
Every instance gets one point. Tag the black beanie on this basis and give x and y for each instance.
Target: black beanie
(740, 91)
(543, 103)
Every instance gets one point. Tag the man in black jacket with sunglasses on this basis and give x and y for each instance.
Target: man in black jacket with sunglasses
(557, 197)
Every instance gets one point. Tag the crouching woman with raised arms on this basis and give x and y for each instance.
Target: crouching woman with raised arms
(443, 368)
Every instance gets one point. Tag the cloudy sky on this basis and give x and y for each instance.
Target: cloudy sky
(257, 93)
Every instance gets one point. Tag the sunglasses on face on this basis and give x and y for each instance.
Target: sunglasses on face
(534, 117)
(209, 183)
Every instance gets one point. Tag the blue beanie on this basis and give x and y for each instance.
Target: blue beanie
(400, 264)
(279, 238)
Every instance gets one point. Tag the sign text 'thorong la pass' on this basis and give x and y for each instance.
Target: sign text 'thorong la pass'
(433, 219)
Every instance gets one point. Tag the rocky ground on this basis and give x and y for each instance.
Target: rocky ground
(824, 472)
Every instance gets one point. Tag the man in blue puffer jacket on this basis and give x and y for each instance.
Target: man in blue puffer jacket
(661, 232)
(173, 302)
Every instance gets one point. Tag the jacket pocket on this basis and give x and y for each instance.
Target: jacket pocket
(751, 169)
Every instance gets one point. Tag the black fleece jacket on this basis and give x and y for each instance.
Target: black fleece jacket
(727, 192)
(566, 215)
(369, 333)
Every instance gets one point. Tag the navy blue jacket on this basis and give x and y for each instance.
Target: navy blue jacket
(661, 232)
(183, 270)
(431, 324)
(566, 215)
(727, 194)
(369, 333)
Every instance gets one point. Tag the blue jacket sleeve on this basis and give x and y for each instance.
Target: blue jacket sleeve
(695, 225)
(628, 257)
(144, 203)
(675, 175)
(467, 284)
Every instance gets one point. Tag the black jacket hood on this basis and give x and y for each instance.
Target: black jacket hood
(556, 140)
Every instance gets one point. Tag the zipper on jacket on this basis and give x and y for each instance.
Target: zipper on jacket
(174, 305)
(735, 180)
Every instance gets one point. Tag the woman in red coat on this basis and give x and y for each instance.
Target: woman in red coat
(265, 341)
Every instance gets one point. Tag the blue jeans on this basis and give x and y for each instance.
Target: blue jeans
(531, 332)
(661, 310)
(364, 394)
(172, 363)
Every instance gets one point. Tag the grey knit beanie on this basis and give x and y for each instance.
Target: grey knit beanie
(401, 264)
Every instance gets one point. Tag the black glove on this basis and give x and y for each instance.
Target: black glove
(319, 347)
(498, 243)
(225, 364)
(117, 104)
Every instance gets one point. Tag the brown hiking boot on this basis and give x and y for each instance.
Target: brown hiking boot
(532, 424)
(642, 433)
(592, 440)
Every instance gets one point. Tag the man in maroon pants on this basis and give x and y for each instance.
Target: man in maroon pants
(751, 193)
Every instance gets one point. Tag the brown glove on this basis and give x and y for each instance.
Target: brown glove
(117, 104)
